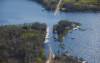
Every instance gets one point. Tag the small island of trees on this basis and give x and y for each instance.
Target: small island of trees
(63, 27)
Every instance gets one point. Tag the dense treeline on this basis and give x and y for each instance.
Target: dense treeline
(22, 43)
(71, 5)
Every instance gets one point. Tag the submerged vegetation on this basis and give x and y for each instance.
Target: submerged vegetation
(68, 59)
(22, 43)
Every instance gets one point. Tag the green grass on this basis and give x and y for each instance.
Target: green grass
(87, 1)
(81, 1)
(29, 34)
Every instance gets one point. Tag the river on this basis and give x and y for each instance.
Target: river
(86, 44)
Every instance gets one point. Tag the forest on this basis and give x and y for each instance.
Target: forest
(22, 43)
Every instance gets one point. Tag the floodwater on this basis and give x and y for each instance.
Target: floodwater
(86, 44)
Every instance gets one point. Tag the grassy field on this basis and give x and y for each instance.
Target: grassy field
(81, 1)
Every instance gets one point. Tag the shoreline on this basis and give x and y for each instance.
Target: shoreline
(82, 8)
